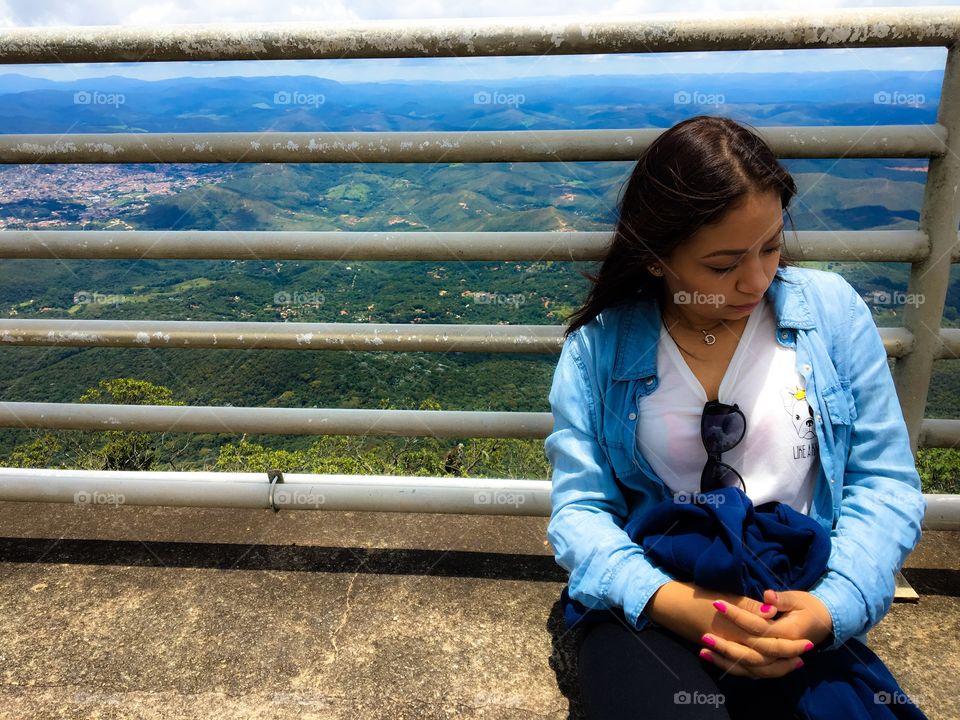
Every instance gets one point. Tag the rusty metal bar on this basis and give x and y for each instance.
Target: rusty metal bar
(939, 433)
(950, 344)
(378, 337)
(857, 28)
(329, 245)
(866, 245)
(276, 421)
(851, 141)
(896, 341)
(398, 337)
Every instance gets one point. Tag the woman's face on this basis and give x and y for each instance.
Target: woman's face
(727, 264)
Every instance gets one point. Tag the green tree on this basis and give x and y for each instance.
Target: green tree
(36, 453)
(939, 469)
(119, 449)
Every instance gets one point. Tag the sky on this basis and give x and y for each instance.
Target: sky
(47, 13)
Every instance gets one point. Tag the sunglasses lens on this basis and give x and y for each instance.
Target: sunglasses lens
(718, 475)
(722, 427)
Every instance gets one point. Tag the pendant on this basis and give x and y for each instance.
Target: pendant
(709, 338)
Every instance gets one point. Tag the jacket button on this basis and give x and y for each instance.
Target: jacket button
(806, 367)
(632, 416)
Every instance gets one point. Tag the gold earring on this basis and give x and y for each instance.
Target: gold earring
(655, 270)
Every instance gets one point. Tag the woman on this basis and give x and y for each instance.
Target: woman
(695, 307)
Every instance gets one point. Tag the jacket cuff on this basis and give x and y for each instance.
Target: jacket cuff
(845, 604)
(634, 582)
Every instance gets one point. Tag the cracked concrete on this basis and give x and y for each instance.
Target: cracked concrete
(140, 612)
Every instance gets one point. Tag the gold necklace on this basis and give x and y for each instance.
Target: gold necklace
(708, 337)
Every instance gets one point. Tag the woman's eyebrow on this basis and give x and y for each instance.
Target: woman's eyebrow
(737, 252)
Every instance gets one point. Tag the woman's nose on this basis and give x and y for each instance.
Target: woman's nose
(753, 279)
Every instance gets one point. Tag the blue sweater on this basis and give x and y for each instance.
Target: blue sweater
(721, 542)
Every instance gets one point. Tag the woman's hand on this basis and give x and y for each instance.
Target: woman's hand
(799, 618)
(742, 644)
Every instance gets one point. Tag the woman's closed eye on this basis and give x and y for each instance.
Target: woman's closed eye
(768, 251)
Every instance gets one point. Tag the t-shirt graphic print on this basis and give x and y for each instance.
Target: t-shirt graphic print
(801, 415)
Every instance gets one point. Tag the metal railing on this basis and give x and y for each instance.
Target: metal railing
(930, 250)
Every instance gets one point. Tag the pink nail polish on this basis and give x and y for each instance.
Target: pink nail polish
(798, 665)
(809, 646)
(705, 654)
(707, 640)
(765, 608)
(720, 605)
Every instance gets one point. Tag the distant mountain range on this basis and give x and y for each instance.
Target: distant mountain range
(309, 103)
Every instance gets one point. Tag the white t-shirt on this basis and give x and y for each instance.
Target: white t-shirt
(778, 457)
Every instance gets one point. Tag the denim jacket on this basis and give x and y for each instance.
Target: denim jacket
(867, 493)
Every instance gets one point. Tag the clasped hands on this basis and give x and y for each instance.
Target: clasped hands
(765, 640)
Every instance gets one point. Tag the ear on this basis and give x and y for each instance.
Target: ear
(789, 398)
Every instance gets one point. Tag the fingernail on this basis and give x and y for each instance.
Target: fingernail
(766, 608)
(809, 646)
(705, 654)
(720, 605)
(798, 665)
(706, 639)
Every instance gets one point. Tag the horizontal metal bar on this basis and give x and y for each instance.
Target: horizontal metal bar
(897, 341)
(323, 421)
(277, 421)
(303, 491)
(950, 344)
(943, 512)
(853, 245)
(939, 433)
(860, 27)
(309, 245)
(406, 337)
(892, 141)
(841, 245)
(402, 337)
(298, 491)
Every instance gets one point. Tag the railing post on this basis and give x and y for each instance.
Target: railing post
(929, 278)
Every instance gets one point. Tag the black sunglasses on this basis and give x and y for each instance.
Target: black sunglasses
(722, 427)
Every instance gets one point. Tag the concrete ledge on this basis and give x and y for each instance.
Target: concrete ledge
(128, 612)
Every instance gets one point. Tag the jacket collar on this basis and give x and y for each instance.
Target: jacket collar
(640, 324)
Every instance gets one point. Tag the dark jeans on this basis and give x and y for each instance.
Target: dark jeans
(654, 673)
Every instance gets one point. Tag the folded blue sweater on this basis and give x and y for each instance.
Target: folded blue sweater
(721, 542)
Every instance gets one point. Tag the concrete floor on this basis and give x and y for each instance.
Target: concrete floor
(127, 612)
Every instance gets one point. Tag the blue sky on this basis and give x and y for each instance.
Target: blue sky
(33, 13)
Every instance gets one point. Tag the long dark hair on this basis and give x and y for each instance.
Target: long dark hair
(689, 176)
